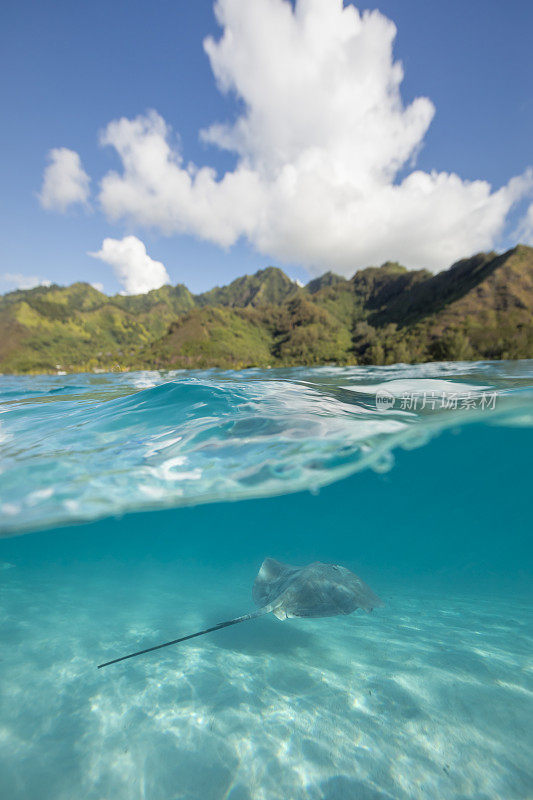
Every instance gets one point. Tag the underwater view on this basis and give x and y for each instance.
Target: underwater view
(138, 508)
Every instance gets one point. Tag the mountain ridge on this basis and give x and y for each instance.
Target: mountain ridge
(481, 307)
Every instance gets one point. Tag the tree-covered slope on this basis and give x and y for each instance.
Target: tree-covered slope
(269, 286)
(78, 327)
(482, 307)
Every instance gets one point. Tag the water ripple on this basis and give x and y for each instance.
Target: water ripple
(79, 447)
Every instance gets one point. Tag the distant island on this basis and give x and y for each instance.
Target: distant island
(480, 308)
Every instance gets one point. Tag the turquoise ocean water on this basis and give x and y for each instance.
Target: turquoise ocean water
(136, 508)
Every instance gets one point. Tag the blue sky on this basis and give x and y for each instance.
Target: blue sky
(72, 68)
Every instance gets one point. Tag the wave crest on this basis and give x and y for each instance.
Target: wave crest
(77, 448)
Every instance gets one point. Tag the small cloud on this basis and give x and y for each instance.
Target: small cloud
(15, 280)
(65, 182)
(98, 286)
(133, 267)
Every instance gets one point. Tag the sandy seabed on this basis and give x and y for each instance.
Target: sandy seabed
(428, 697)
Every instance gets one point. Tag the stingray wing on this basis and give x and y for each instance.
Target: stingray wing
(365, 597)
(272, 580)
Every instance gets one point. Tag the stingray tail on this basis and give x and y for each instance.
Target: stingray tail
(253, 615)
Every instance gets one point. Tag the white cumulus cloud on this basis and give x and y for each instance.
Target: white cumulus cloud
(16, 280)
(320, 144)
(133, 267)
(65, 182)
(525, 230)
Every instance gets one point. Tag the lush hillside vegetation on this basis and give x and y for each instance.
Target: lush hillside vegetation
(482, 307)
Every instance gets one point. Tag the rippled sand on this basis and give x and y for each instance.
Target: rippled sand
(429, 697)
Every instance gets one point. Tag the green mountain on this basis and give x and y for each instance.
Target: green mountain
(482, 307)
(269, 286)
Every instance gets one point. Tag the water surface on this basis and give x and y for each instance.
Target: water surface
(184, 482)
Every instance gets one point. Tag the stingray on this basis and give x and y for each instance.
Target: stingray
(317, 590)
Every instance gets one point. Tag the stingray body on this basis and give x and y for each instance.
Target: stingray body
(316, 590)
